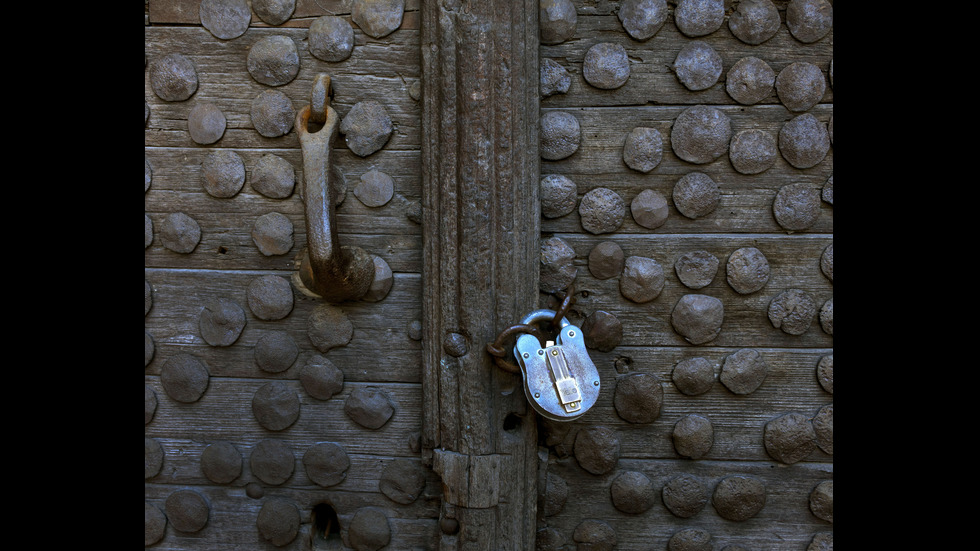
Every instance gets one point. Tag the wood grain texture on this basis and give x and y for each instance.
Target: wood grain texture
(480, 170)
(794, 263)
(231, 524)
(738, 420)
(376, 70)
(459, 80)
(785, 522)
(187, 12)
(654, 97)
(745, 204)
(381, 352)
(652, 79)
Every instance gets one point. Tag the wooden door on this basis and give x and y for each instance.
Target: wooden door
(277, 420)
(710, 297)
(274, 419)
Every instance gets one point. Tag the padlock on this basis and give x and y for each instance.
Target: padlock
(560, 381)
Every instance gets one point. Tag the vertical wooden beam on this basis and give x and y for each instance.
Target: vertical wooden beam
(481, 250)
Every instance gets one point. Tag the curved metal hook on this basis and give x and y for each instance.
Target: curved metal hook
(334, 272)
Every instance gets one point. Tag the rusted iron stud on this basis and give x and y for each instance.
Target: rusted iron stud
(754, 22)
(638, 397)
(809, 20)
(273, 60)
(804, 141)
(274, 12)
(173, 77)
(642, 19)
(321, 378)
(187, 510)
(273, 177)
(225, 19)
(269, 297)
(790, 437)
(275, 406)
(272, 113)
(221, 462)
(555, 79)
(155, 524)
(822, 501)
(150, 403)
(331, 38)
(823, 426)
(698, 318)
(369, 407)
(825, 373)
(739, 497)
(744, 371)
(272, 461)
(369, 529)
(378, 18)
(685, 495)
(597, 449)
(329, 327)
(455, 345)
(206, 123)
(632, 492)
(402, 481)
(558, 20)
(697, 18)
(152, 457)
(326, 464)
(278, 521)
(693, 436)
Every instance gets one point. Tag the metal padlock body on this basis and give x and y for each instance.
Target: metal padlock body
(539, 378)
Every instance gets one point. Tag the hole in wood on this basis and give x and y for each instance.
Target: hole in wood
(512, 422)
(325, 529)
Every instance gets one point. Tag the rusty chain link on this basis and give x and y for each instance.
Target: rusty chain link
(500, 352)
(566, 305)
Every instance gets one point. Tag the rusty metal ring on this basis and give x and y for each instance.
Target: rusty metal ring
(509, 367)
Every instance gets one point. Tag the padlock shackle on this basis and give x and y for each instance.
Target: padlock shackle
(538, 316)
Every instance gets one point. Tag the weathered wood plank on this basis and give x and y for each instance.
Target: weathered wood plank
(738, 420)
(604, 131)
(785, 522)
(227, 226)
(187, 12)
(381, 71)
(227, 244)
(224, 412)
(746, 200)
(794, 264)
(652, 79)
(227, 223)
(231, 524)
(654, 97)
(480, 171)
(380, 350)
(179, 170)
(182, 466)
